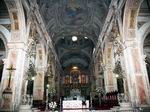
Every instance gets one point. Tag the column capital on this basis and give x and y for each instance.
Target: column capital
(16, 45)
(131, 43)
(41, 69)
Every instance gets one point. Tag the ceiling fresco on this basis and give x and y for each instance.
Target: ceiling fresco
(67, 18)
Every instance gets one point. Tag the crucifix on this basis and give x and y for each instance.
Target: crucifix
(11, 69)
(7, 93)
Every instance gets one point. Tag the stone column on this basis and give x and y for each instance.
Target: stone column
(3, 76)
(38, 88)
(3, 82)
(16, 57)
(96, 73)
(99, 74)
(136, 77)
(110, 79)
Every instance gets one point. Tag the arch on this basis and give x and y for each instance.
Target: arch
(18, 34)
(145, 51)
(142, 33)
(16, 14)
(6, 33)
(129, 18)
(130, 35)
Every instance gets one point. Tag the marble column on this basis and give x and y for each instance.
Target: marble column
(16, 57)
(109, 76)
(38, 88)
(136, 77)
(98, 74)
(3, 82)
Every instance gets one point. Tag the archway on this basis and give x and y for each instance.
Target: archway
(130, 28)
(144, 35)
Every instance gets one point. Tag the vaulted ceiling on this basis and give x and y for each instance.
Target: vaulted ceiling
(82, 19)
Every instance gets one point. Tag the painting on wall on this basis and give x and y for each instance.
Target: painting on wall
(133, 14)
(109, 53)
(83, 79)
(75, 77)
(67, 79)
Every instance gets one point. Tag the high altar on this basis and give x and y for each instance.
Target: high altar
(74, 101)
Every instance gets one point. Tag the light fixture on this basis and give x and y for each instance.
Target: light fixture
(117, 75)
(86, 37)
(47, 85)
(74, 67)
(33, 78)
(74, 38)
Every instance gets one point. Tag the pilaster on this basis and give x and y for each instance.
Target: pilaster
(136, 76)
(38, 89)
(110, 79)
(16, 58)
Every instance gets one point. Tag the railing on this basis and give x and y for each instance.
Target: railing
(105, 102)
(119, 110)
(126, 110)
(27, 99)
